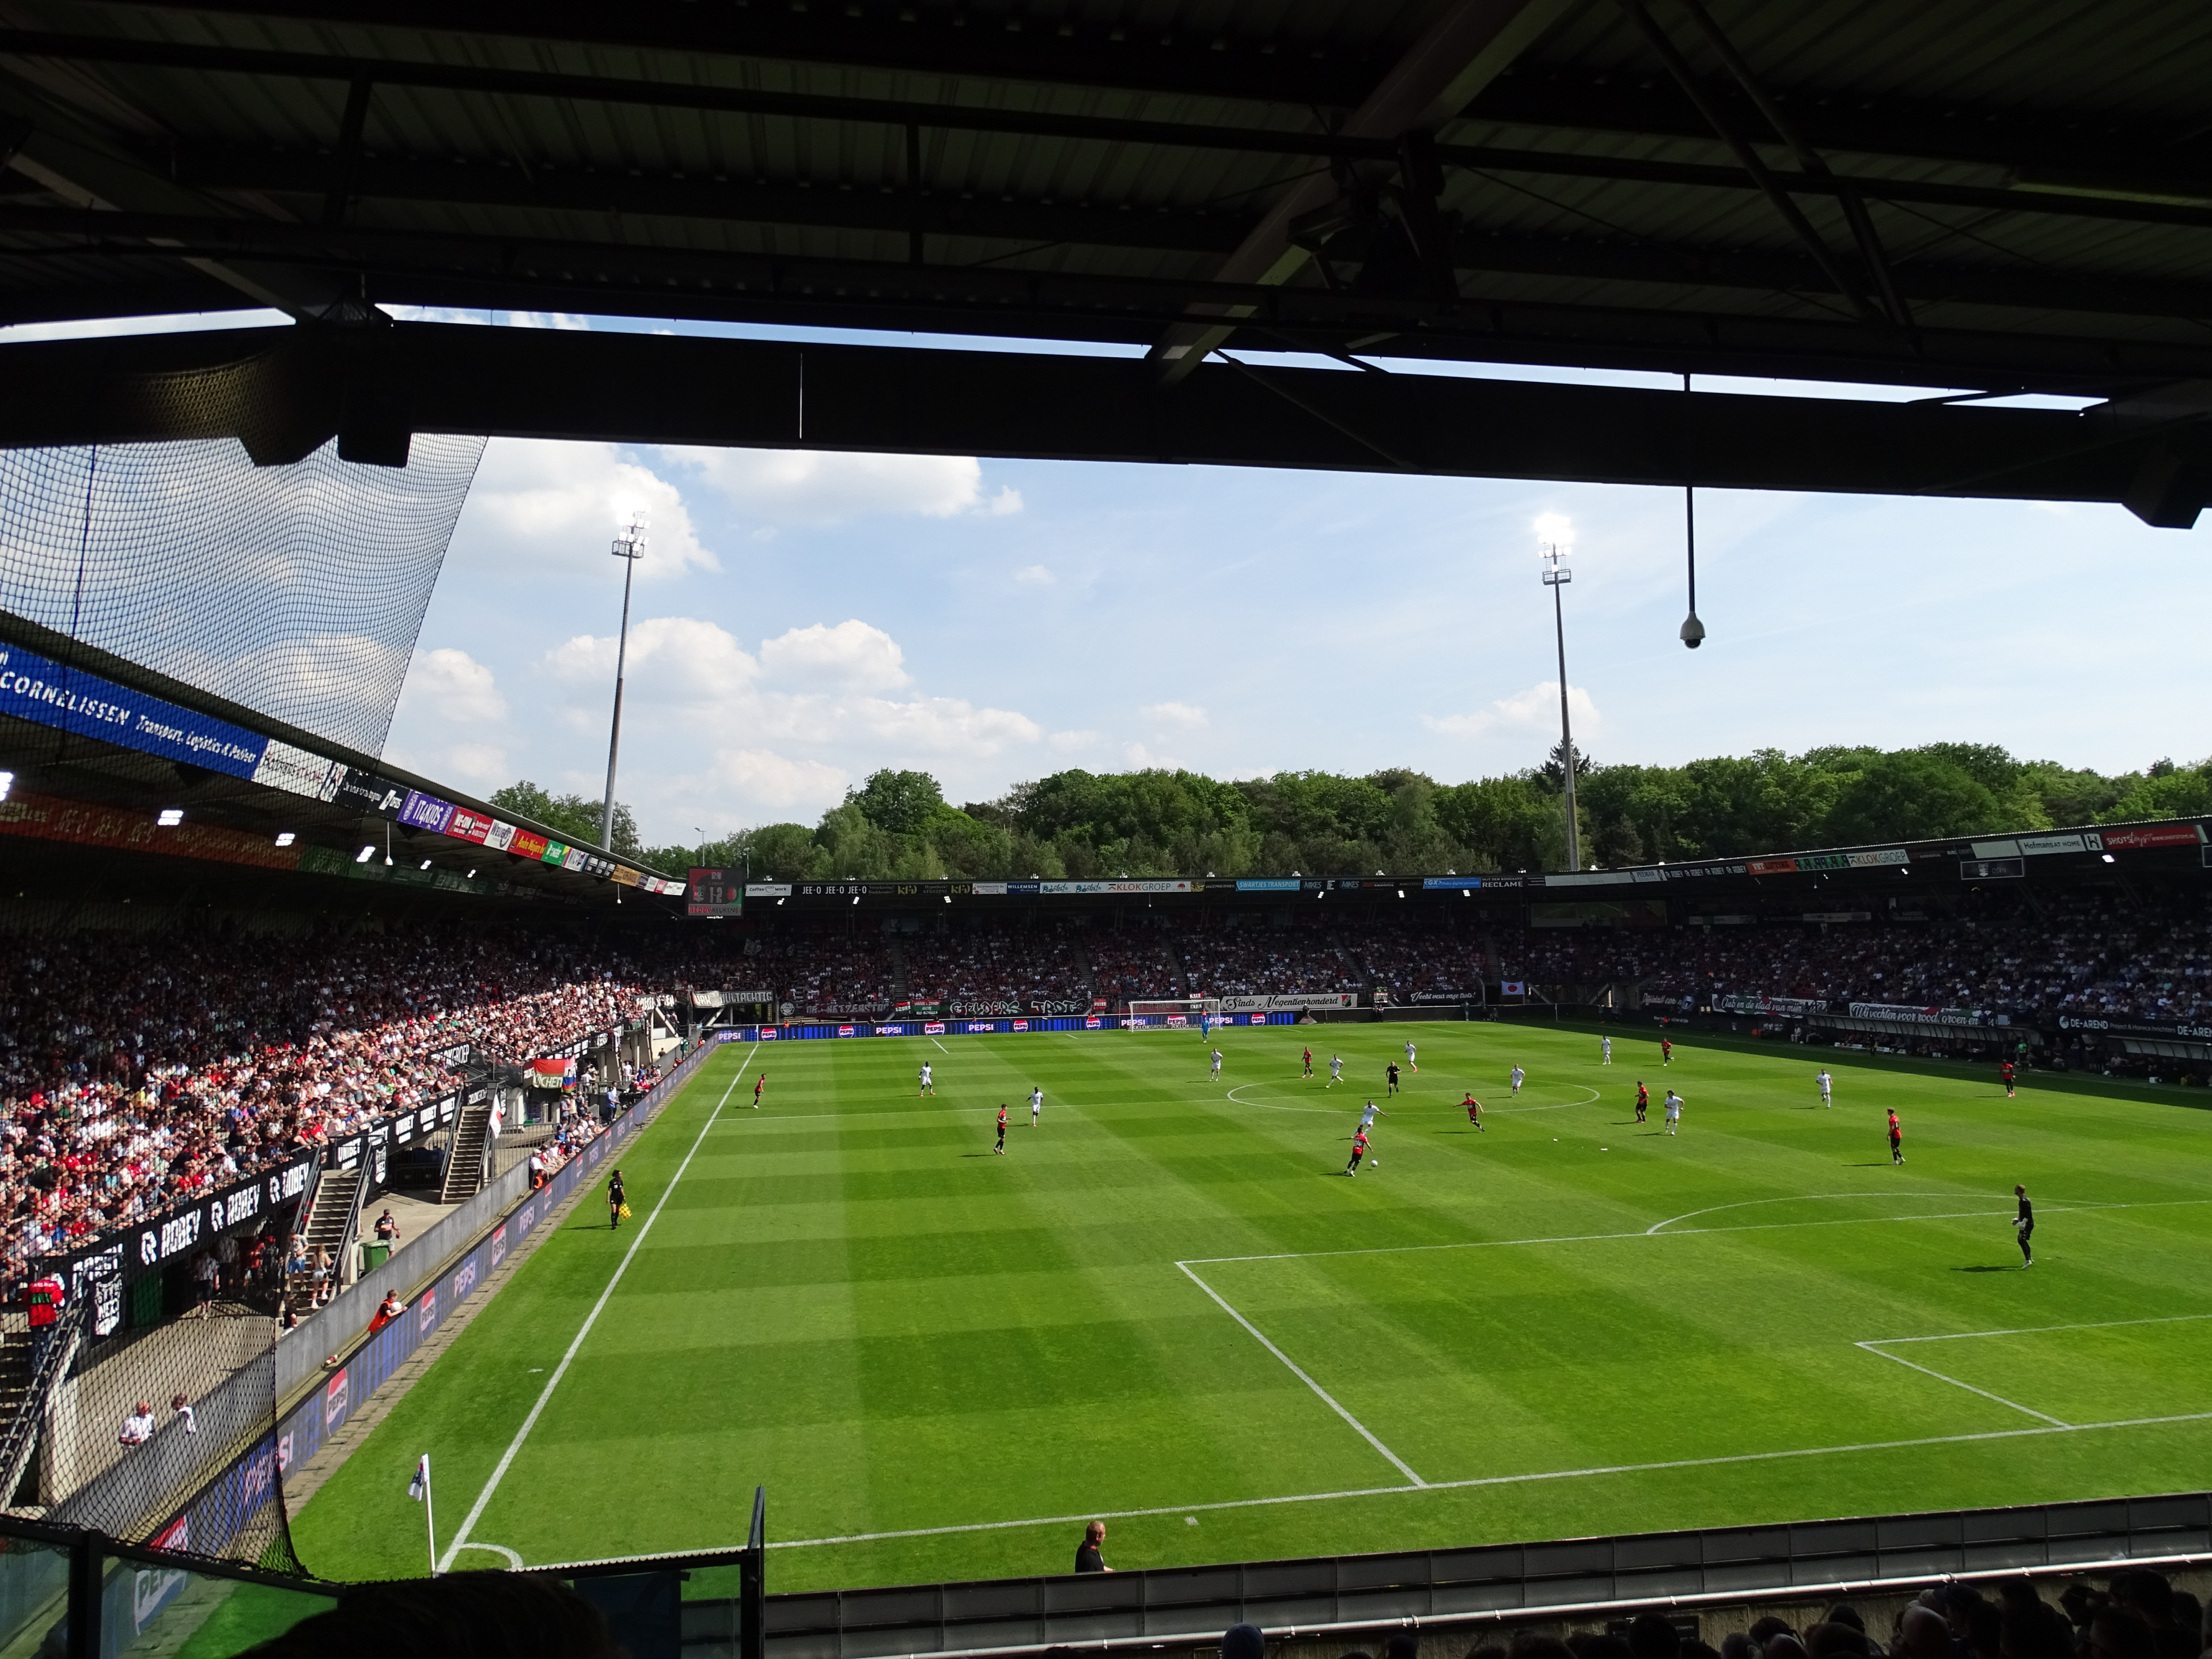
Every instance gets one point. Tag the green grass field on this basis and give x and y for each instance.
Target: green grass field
(1167, 1306)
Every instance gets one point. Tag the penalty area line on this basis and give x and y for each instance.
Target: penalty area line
(1595, 1471)
(1327, 1398)
(460, 1540)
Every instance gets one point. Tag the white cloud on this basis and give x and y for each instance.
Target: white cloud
(1034, 576)
(945, 725)
(805, 487)
(1536, 707)
(852, 656)
(679, 660)
(1140, 759)
(752, 786)
(540, 506)
(451, 723)
(1187, 716)
(448, 684)
(1068, 742)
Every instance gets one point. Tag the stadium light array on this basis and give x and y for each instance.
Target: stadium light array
(2109, 859)
(472, 875)
(7, 782)
(426, 864)
(365, 854)
(285, 837)
(170, 817)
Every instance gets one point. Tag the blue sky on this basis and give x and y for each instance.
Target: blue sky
(802, 619)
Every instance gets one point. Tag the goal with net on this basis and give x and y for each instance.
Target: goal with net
(1171, 1013)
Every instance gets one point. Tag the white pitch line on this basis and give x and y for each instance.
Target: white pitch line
(1327, 1398)
(1685, 1232)
(941, 1049)
(1794, 1198)
(461, 1539)
(1490, 1481)
(2037, 1330)
(513, 1557)
(2013, 1404)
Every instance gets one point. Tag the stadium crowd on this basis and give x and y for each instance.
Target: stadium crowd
(138, 1071)
(980, 970)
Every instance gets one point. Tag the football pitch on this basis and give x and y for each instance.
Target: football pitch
(1166, 1306)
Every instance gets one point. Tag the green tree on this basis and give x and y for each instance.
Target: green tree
(901, 803)
(1912, 796)
(2178, 792)
(574, 816)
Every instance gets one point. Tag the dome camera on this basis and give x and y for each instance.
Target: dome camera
(1694, 632)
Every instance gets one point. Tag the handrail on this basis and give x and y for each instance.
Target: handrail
(51, 1360)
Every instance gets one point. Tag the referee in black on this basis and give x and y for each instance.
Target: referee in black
(2024, 1223)
(615, 1200)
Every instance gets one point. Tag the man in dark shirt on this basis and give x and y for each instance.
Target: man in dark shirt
(1087, 1558)
(1391, 1073)
(2024, 1223)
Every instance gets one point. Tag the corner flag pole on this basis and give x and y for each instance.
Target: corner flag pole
(419, 1490)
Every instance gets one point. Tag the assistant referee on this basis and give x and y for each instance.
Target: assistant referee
(2024, 1223)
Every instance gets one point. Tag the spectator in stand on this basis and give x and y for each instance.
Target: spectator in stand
(1088, 1558)
(386, 1310)
(387, 1228)
(182, 1405)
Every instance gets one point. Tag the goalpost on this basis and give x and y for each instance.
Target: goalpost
(1172, 1013)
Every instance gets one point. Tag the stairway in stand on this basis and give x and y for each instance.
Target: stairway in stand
(328, 1221)
(464, 1165)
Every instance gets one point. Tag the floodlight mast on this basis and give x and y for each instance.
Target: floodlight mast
(1557, 576)
(629, 547)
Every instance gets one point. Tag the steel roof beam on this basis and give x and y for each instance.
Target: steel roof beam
(1465, 49)
(646, 388)
(910, 35)
(2089, 198)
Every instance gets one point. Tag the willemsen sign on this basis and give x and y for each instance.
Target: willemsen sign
(224, 1507)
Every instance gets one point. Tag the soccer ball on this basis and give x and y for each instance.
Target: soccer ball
(1374, 1162)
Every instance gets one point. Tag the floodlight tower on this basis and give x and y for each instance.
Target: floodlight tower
(1557, 576)
(629, 548)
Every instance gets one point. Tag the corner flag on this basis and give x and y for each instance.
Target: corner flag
(419, 1490)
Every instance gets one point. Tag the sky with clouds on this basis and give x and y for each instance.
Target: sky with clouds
(801, 619)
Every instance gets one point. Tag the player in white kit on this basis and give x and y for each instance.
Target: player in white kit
(1517, 1074)
(1335, 1070)
(1409, 1058)
(1673, 1110)
(1216, 1065)
(1037, 1105)
(927, 1086)
(1605, 1051)
(1827, 1087)
(1367, 1118)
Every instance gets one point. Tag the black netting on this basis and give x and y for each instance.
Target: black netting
(296, 589)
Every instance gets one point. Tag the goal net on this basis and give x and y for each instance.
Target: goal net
(1172, 1012)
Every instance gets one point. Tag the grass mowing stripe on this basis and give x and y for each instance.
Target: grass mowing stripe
(1486, 1480)
(2026, 1411)
(499, 1473)
(1327, 1398)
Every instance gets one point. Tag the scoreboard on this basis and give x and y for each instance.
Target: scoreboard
(714, 893)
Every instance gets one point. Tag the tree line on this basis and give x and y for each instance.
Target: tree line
(898, 825)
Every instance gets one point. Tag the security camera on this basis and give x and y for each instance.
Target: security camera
(1694, 632)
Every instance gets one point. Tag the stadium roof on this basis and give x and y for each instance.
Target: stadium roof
(1933, 193)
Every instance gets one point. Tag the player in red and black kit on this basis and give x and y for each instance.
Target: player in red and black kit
(757, 1087)
(1666, 1051)
(1306, 1059)
(1474, 1109)
(1359, 1151)
(1896, 1138)
(2005, 1071)
(1643, 1100)
(1002, 1147)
